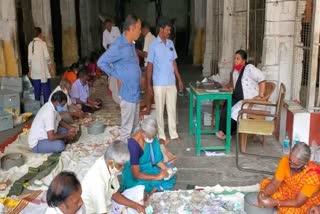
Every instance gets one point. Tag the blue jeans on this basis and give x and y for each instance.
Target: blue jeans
(47, 146)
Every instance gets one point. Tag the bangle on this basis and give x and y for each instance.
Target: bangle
(278, 203)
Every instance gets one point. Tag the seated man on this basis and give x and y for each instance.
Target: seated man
(69, 109)
(146, 166)
(48, 132)
(64, 195)
(71, 73)
(101, 185)
(295, 185)
(80, 94)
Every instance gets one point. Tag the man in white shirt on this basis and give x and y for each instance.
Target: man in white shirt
(64, 195)
(101, 185)
(40, 66)
(69, 110)
(148, 39)
(45, 135)
(110, 34)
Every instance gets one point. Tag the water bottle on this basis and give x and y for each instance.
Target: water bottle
(286, 145)
(295, 141)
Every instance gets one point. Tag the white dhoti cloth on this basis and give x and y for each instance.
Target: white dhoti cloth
(135, 194)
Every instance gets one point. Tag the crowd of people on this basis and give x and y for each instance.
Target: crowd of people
(140, 154)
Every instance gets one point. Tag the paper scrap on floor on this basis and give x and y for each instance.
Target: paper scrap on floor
(214, 154)
(77, 157)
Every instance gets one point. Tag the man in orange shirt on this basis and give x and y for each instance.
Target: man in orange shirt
(71, 73)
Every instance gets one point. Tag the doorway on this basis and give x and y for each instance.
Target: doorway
(57, 34)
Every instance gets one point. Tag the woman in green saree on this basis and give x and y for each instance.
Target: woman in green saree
(146, 166)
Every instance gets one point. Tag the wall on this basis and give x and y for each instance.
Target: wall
(277, 57)
(225, 33)
(107, 8)
(277, 44)
(41, 13)
(91, 32)
(25, 31)
(239, 24)
(144, 9)
(198, 31)
(69, 35)
(214, 33)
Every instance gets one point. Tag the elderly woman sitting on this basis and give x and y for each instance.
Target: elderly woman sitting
(146, 165)
(295, 185)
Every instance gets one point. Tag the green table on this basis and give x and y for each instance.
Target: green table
(195, 125)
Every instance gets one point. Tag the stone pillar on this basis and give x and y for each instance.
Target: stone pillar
(41, 13)
(277, 56)
(90, 27)
(226, 60)
(297, 68)
(199, 39)
(9, 53)
(208, 54)
(27, 20)
(69, 32)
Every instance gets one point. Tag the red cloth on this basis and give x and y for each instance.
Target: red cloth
(238, 67)
(12, 139)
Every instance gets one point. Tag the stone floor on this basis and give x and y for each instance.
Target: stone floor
(203, 170)
(209, 171)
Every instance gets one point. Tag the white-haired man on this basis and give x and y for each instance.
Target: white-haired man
(100, 185)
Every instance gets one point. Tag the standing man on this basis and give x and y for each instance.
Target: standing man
(121, 61)
(162, 71)
(40, 66)
(148, 39)
(110, 34)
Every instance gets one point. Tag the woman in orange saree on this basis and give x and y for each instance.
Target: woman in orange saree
(295, 185)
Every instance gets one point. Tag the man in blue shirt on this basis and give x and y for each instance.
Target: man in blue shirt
(121, 62)
(162, 71)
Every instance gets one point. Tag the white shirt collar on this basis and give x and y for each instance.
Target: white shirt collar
(53, 210)
(37, 38)
(52, 106)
